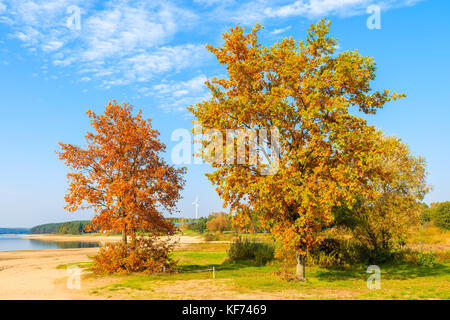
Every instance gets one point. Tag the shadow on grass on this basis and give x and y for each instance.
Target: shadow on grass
(393, 272)
(226, 265)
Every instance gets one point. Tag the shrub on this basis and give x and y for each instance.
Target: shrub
(426, 259)
(264, 252)
(375, 255)
(332, 252)
(337, 252)
(148, 255)
(329, 252)
(442, 215)
(241, 249)
(210, 237)
(426, 215)
(220, 223)
(330, 246)
(418, 258)
(245, 249)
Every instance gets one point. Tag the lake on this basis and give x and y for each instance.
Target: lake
(13, 242)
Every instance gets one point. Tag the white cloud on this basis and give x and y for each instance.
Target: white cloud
(281, 30)
(176, 96)
(52, 46)
(315, 8)
(122, 30)
(124, 42)
(262, 10)
(145, 66)
(208, 3)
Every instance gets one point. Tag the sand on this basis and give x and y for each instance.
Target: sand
(33, 274)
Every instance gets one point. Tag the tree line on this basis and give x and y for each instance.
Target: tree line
(438, 214)
(71, 227)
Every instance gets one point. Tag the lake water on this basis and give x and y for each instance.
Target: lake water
(13, 242)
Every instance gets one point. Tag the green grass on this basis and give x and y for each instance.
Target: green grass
(233, 279)
(407, 283)
(75, 264)
(199, 258)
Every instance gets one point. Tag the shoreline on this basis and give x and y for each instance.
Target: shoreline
(70, 237)
(181, 239)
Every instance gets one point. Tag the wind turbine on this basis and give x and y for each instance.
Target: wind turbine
(195, 203)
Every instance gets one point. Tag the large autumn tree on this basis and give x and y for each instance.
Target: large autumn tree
(305, 90)
(121, 175)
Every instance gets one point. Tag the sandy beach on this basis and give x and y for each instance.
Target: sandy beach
(33, 274)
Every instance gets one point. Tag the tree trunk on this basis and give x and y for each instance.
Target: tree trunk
(300, 272)
(124, 235)
(124, 230)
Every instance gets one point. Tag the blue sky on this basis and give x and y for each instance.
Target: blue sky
(152, 54)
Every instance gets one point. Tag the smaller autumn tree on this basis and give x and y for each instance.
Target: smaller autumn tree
(381, 222)
(121, 175)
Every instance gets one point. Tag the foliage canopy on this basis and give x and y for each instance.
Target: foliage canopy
(306, 91)
(121, 174)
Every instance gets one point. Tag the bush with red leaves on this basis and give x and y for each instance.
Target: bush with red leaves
(147, 255)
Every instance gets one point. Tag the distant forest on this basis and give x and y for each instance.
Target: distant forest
(72, 227)
(14, 231)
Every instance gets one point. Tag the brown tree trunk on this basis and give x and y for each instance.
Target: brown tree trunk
(124, 230)
(300, 271)
(124, 235)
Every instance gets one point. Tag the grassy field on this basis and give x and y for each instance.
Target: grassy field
(249, 281)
